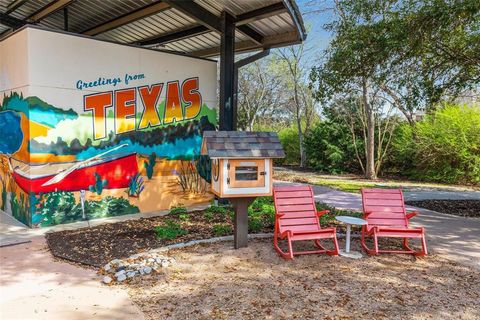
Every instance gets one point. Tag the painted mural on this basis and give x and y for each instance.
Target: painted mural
(104, 146)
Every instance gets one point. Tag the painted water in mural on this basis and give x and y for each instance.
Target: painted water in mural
(123, 146)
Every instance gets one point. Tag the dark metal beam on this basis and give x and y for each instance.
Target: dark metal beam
(228, 119)
(252, 58)
(261, 13)
(10, 21)
(65, 18)
(15, 5)
(252, 34)
(129, 17)
(175, 36)
(275, 41)
(197, 12)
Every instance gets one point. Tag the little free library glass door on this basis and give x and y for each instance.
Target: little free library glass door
(246, 173)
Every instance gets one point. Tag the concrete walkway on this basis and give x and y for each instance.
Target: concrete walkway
(35, 286)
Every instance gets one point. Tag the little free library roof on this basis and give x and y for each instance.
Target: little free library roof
(241, 144)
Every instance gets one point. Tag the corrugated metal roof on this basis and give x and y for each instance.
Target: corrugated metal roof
(84, 15)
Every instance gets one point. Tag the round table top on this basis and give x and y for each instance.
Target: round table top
(351, 220)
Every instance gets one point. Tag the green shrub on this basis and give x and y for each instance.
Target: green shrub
(178, 209)
(169, 229)
(184, 216)
(335, 212)
(222, 229)
(443, 147)
(291, 145)
(329, 148)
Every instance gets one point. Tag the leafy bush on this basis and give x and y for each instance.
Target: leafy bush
(169, 229)
(443, 147)
(261, 214)
(178, 209)
(291, 145)
(329, 148)
(335, 212)
(222, 229)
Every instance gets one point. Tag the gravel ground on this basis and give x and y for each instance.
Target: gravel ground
(216, 282)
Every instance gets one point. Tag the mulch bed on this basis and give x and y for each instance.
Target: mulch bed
(463, 208)
(95, 246)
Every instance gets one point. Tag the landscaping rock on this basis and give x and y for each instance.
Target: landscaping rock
(107, 279)
(136, 265)
(121, 277)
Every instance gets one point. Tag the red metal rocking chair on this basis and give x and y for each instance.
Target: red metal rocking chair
(384, 210)
(297, 219)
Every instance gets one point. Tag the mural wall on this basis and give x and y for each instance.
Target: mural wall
(91, 129)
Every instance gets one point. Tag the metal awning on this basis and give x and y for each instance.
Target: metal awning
(188, 26)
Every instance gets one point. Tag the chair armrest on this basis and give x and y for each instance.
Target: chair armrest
(412, 214)
(367, 213)
(323, 212)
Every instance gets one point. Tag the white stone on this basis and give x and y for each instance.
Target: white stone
(121, 277)
(107, 279)
(158, 260)
(107, 267)
(131, 274)
(119, 273)
(165, 263)
(147, 270)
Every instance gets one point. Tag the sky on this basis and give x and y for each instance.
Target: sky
(316, 13)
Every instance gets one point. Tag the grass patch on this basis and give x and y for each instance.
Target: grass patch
(327, 219)
(169, 229)
(346, 185)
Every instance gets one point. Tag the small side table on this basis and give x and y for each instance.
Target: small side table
(349, 221)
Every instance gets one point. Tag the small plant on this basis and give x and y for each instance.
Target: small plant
(150, 164)
(4, 193)
(208, 215)
(184, 216)
(99, 184)
(135, 186)
(169, 230)
(222, 229)
(178, 209)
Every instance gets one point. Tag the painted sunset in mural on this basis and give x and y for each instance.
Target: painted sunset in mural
(99, 148)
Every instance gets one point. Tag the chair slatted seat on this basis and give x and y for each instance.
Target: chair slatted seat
(386, 216)
(297, 219)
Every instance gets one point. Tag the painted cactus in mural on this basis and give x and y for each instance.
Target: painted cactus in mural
(116, 137)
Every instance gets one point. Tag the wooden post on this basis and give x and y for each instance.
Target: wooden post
(240, 233)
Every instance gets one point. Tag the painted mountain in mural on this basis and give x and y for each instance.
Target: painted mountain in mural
(36, 109)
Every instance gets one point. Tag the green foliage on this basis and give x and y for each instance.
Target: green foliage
(204, 167)
(213, 212)
(184, 216)
(178, 209)
(261, 214)
(60, 207)
(329, 148)
(20, 208)
(222, 229)
(150, 164)
(135, 186)
(444, 147)
(169, 229)
(99, 184)
(291, 145)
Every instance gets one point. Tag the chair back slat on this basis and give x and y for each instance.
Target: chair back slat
(295, 209)
(386, 207)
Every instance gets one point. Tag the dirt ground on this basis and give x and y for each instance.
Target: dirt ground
(463, 208)
(217, 282)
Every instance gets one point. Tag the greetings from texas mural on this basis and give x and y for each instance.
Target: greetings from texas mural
(90, 145)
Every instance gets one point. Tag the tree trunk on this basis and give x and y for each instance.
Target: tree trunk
(370, 147)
